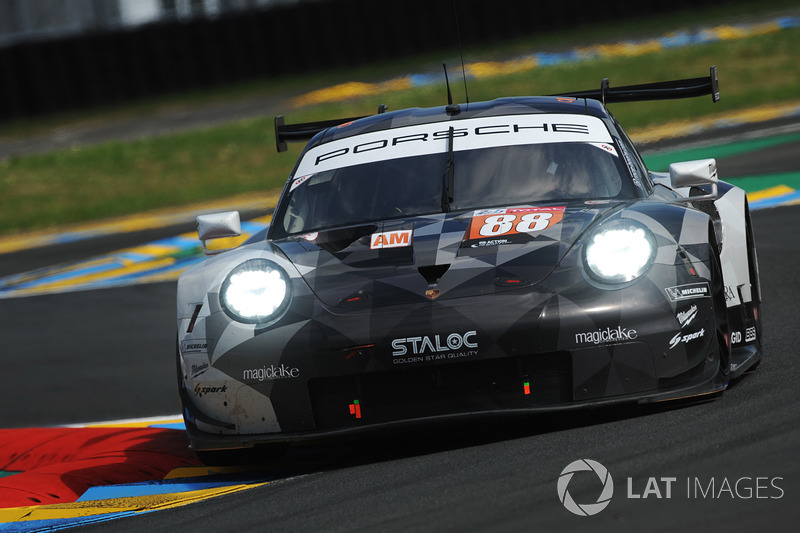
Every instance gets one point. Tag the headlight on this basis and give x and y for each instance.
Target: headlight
(255, 292)
(620, 251)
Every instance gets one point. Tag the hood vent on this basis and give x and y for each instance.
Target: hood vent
(433, 273)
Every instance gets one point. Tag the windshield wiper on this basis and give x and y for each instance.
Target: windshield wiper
(448, 179)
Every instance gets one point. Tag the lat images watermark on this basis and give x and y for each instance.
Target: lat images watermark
(665, 487)
(586, 509)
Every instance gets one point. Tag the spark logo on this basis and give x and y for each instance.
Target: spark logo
(390, 239)
(586, 509)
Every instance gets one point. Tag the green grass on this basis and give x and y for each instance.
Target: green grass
(116, 178)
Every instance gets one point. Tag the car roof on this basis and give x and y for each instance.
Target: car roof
(500, 107)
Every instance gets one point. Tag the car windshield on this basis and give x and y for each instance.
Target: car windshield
(497, 176)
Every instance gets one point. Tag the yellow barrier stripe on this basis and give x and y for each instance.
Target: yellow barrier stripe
(150, 422)
(130, 223)
(682, 128)
(116, 505)
(88, 278)
(778, 190)
(488, 69)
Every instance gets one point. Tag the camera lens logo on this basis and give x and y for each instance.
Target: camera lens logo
(586, 509)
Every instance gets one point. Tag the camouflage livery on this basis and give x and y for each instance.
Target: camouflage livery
(469, 310)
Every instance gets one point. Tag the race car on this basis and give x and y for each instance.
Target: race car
(514, 255)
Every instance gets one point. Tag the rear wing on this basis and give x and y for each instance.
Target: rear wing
(304, 131)
(663, 90)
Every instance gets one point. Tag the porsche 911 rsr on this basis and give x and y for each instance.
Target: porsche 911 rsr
(423, 264)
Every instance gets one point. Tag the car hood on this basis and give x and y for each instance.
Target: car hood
(441, 256)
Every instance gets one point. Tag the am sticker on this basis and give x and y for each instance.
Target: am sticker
(390, 239)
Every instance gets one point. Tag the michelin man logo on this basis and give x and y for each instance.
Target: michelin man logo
(587, 509)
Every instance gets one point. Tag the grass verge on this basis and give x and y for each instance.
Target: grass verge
(116, 178)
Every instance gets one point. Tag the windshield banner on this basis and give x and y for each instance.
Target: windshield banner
(468, 134)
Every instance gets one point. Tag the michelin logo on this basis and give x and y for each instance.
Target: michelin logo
(687, 292)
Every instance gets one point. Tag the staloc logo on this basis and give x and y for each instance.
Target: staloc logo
(433, 344)
(606, 336)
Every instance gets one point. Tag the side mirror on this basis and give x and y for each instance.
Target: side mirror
(218, 226)
(695, 174)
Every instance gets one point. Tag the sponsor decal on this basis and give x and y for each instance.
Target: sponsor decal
(196, 369)
(493, 242)
(750, 335)
(270, 373)
(687, 292)
(606, 336)
(473, 133)
(199, 390)
(434, 347)
(606, 148)
(310, 237)
(390, 239)
(299, 181)
(683, 339)
(736, 337)
(492, 223)
(433, 344)
(194, 346)
(685, 318)
(730, 295)
(632, 167)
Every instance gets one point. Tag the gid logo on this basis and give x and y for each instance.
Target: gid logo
(586, 509)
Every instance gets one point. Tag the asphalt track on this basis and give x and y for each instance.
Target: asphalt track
(109, 354)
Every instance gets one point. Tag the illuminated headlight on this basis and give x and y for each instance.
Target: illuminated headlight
(620, 251)
(255, 292)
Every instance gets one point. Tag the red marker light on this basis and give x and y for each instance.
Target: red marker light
(355, 409)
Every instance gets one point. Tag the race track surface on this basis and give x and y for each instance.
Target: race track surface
(726, 464)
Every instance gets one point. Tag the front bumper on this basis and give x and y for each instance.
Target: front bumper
(324, 372)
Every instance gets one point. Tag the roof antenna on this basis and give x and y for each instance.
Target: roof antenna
(447, 82)
(604, 88)
(461, 51)
(451, 109)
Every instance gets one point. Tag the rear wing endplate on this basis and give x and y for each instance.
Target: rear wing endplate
(663, 90)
